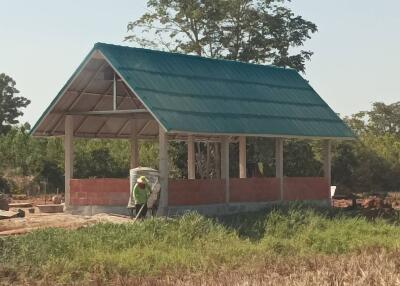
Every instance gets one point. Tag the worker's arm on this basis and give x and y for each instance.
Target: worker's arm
(135, 192)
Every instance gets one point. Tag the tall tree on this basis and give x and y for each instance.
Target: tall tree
(256, 31)
(259, 31)
(10, 104)
(383, 119)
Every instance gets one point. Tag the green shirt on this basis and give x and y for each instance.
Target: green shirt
(141, 195)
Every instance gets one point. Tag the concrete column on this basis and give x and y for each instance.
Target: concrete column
(242, 157)
(217, 155)
(69, 156)
(327, 157)
(208, 160)
(225, 165)
(279, 163)
(191, 158)
(115, 92)
(164, 172)
(134, 145)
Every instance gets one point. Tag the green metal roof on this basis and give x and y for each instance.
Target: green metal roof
(200, 95)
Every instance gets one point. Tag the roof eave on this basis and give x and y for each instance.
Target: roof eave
(266, 135)
(63, 90)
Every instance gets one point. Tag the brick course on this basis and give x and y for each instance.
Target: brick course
(254, 190)
(103, 192)
(196, 192)
(115, 192)
(309, 188)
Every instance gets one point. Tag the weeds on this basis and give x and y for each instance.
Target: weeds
(190, 244)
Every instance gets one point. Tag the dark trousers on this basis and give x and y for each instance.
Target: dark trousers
(143, 212)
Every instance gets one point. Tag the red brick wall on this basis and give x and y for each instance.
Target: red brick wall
(115, 192)
(309, 188)
(196, 192)
(254, 190)
(106, 192)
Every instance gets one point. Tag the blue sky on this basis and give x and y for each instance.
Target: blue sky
(355, 63)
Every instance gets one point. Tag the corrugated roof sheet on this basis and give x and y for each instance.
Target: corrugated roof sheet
(201, 95)
(191, 94)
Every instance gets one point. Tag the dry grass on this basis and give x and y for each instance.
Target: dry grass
(371, 267)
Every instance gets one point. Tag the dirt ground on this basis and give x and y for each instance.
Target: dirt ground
(42, 220)
(38, 220)
(62, 220)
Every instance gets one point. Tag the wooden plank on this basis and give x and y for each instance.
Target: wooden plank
(108, 112)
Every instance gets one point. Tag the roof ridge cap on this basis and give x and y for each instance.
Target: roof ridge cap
(196, 56)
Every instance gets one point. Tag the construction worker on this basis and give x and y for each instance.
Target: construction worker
(140, 193)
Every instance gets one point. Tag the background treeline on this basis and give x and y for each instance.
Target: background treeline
(369, 164)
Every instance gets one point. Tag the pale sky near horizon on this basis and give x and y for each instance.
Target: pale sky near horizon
(355, 62)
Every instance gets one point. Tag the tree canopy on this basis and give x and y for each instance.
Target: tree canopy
(10, 104)
(245, 30)
(382, 119)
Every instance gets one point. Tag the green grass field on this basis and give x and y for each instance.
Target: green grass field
(195, 245)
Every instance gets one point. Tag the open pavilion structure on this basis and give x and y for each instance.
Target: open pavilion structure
(139, 94)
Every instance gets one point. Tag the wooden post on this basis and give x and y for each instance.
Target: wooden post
(69, 156)
(191, 158)
(327, 156)
(279, 164)
(242, 157)
(225, 165)
(134, 145)
(163, 169)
